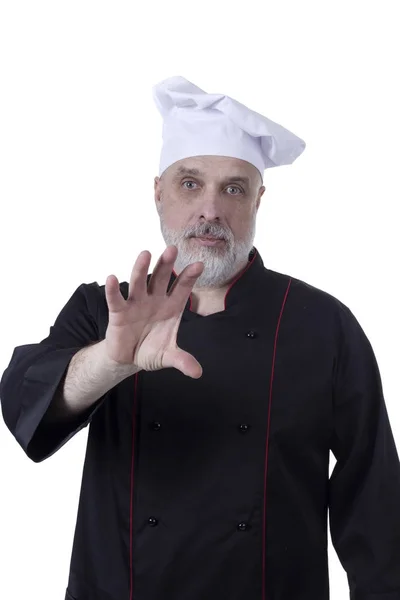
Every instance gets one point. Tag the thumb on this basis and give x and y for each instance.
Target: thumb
(184, 362)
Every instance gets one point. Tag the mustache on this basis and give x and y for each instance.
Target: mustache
(209, 231)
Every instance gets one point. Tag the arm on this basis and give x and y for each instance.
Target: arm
(364, 488)
(89, 376)
(34, 380)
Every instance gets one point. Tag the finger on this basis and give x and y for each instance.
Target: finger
(114, 298)
(183, 284)
(184, 362)
(162, 272)
(138, 279)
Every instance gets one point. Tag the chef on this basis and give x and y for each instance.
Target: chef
(206, 475)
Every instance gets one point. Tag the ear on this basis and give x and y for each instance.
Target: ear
(158, 200)
(157, 191)
(260, 193)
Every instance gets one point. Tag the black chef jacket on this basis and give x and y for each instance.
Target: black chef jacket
(218, 488)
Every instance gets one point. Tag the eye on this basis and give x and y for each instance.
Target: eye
(235, 187)
(229, 187)
(188, 182)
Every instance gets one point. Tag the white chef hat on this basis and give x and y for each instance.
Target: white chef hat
(196, 123)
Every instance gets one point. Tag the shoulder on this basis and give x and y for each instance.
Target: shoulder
(306, 290)
(320, 304)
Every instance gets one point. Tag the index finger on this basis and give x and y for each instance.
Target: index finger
(183, 284)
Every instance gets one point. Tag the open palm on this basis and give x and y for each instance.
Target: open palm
(142, 329)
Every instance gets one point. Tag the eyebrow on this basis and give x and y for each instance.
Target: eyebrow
(196, 173)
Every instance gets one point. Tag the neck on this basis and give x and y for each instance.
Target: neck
(209, 297)
(208, 304)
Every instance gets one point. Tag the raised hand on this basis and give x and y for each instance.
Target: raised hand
(142, 330)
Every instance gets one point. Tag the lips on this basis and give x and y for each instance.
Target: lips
(208, 241)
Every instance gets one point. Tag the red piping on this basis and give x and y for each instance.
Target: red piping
(239, 276)
(267, 445)
(132, 478)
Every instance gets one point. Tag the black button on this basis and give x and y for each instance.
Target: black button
(244, 427)
(152, 522)
(155, 425)
(251, 334)
(242, 526)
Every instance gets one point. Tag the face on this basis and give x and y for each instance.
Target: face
(209, 196)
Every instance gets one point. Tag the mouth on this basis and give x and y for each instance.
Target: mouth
(209, 241)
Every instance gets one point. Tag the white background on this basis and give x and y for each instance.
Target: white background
(80, 139)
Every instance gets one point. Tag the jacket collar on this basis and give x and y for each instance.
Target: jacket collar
(244, 286)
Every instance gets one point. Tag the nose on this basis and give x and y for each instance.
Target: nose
(210, 208)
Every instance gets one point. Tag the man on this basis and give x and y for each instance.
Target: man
(214, 389)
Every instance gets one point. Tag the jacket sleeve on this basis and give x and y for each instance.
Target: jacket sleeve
(364, 487)
(35, 372)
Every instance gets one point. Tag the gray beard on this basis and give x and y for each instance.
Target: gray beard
(221, 263)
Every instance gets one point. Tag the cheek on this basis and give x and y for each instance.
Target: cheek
(174, 217)
(243, 220)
